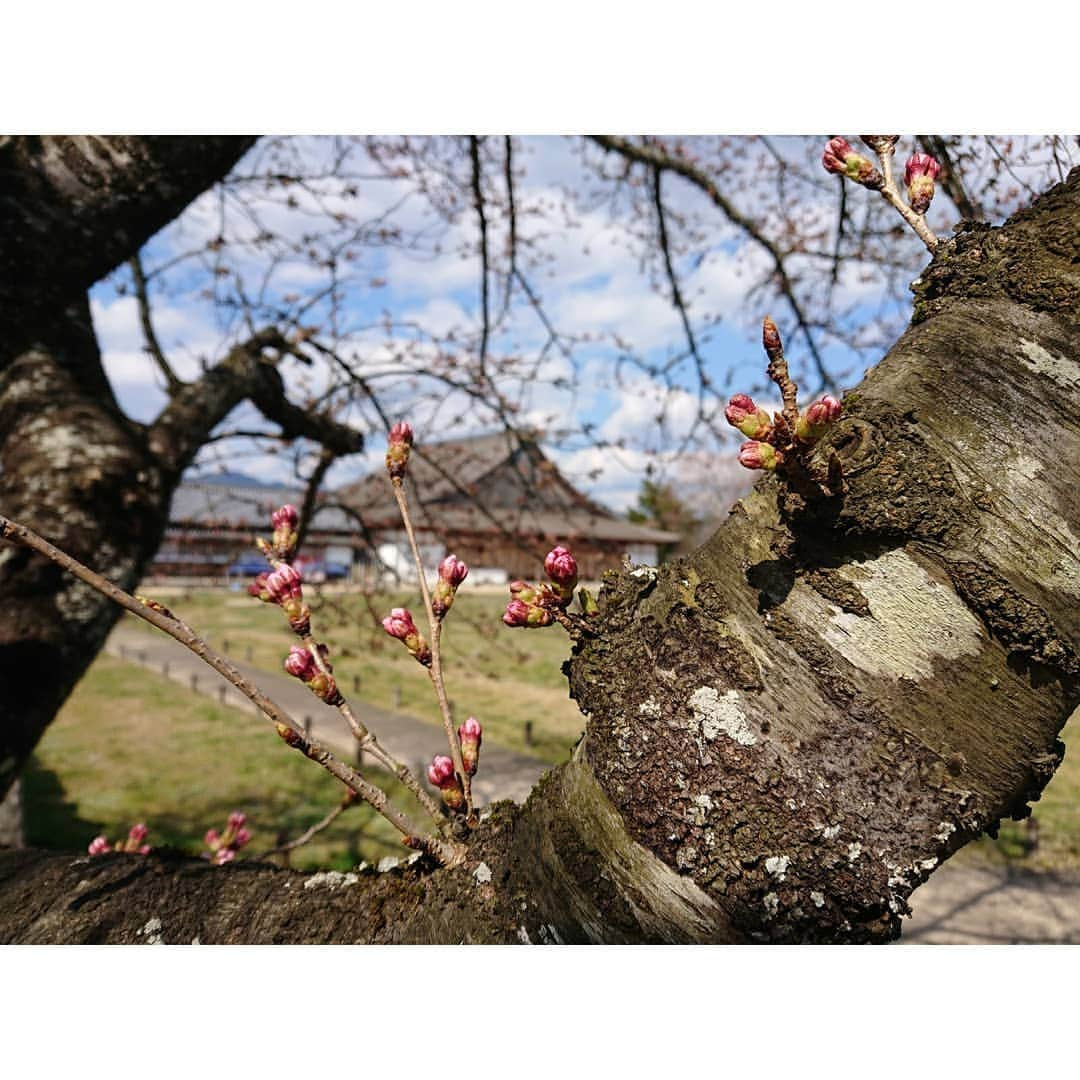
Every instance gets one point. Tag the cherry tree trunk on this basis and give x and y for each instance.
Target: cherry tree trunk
(790, 729)
(72, 466)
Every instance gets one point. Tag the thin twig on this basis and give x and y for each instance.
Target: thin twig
(657, 157)
(444, 851)
(153, 346)
(308, 834)
(478, 202)
(327, 457)
(891, 195)
(435, 629)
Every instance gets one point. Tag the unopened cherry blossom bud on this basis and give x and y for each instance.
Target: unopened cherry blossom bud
(758, 455)
(840, 157)
(259, 590)
(212, 840)
(137, 833)
(237, 820)
(752, 420)
(242, 837)
(452, 572)
(286, 517)
(300, 663)
(561, 566)
(398, 445)
(441, 775)
(98, 846)
(399, 624)
(522, 590)
(816, 418)
(519, 613)
(223, 856)
(284, 584)
(920, 172)
(470, 734)
(324, 687)
(144, 849)
(285, 536)
(298, 614)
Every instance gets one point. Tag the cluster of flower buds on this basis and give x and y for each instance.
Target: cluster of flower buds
(302, 664)
(133, 842)
(470, 733)
(398, 445)
(762, 451)
(532, 605)
(285, 538)
(920, 172)
(452, 572)
(283, 586)
(840, 157)
(224, 846)
(441, 775)
(399, 624)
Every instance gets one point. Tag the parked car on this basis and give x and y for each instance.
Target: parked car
(248, 566)
(319, 572)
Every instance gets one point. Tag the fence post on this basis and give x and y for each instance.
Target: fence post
(528, 733)
(165, 668)
(194, 682)
(221, 693)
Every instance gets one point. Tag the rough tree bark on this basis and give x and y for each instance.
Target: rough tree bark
(72, 465)
(786, 731)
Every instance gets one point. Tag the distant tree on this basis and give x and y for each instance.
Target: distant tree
(659, 505)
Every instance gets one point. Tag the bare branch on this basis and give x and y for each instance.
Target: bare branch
(656, 157)
(153, 346)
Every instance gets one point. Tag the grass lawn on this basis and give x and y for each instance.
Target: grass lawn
(502, 676)
(127, 747)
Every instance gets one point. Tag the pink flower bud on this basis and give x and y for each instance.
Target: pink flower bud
(817, 417)
(470, 733)
(750, 419)
(223, 856)
(145, 849)
(284, 584)
(285, 518)
(440, 772)
(138, 833)
(921, 165)
(758, 455)
(522, 590)
(519, 613)
(561, 566)
(398, 446)
(98, 846)
(453, 571)
(236, 820)
(258, 588)
(242, 837)
(300, 663)
(920, 172)
(516, 614)
(841, 158)
(212, 840)
(399, 623)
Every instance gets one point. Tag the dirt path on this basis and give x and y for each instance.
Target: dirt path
(506, 774)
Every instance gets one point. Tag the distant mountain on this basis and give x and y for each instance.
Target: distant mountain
(229, 479)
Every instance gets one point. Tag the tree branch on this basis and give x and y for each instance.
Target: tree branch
(655, 157)
(153, 346)
(195, 410)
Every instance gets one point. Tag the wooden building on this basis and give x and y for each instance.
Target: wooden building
(495, 501)
(500, 504)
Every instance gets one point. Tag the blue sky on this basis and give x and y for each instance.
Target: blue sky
(591, 283)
